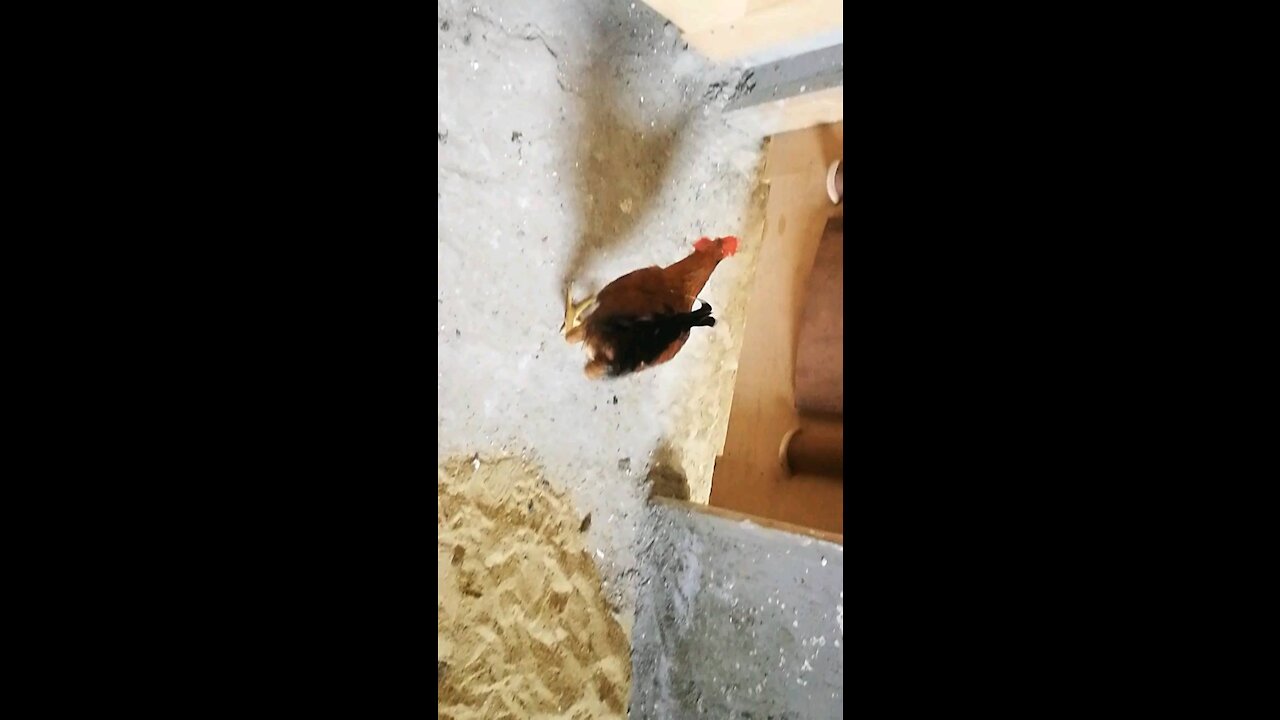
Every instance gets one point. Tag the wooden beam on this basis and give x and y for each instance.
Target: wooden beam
(796, 113)
(700, 15)
(725, 30)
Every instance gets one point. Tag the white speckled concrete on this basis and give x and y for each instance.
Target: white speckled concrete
(579, 139)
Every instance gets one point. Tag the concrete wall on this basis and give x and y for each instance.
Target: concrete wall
(734, 620)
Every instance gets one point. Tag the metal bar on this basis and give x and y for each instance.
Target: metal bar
(805, 73)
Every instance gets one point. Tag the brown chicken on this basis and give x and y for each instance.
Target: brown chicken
(643, 318)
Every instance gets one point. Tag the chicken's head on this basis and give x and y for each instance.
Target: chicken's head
(726, 246)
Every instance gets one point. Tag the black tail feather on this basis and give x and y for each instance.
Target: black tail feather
(702, 316)
(640, 340)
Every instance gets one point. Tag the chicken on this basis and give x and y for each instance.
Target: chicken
(643, 318)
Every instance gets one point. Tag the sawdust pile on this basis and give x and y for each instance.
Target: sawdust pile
(523, 627)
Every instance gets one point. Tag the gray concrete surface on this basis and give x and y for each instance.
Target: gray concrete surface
(579, 140)
(736, 621)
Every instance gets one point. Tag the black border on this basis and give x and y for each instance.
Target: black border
(258, 373)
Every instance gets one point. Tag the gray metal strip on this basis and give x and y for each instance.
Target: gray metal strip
(802, 74)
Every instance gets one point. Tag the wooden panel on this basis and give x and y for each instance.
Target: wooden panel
(820, 352)
(697, 15)
(763, 29)
(727, 29)
(796, 113)
(800, 152)
(749, 476)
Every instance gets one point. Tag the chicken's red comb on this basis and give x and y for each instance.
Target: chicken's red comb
(728, 245)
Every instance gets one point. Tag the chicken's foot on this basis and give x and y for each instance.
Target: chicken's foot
(573, 311)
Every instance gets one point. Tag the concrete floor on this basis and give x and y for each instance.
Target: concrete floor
(735, 620)
(579, 140)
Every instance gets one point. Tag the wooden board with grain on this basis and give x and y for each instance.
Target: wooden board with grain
(730, 29)
(820, 350)
(795, 113)
(750, 476)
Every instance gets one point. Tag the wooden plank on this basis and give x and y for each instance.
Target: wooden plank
(727, 29)
(701, 14)
(762, 29)
(749, 476)
(820, 351)
(789, 114)
(761, 521)
(803, 152)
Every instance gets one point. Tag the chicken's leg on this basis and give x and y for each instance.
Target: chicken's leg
(573, 312)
